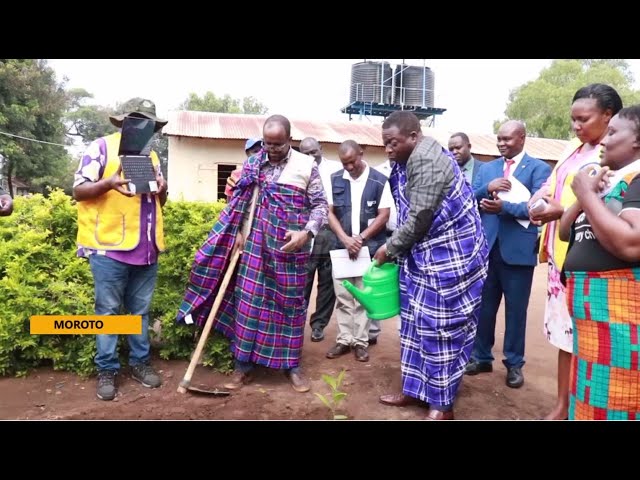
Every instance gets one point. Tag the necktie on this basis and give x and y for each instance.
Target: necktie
(507, 171)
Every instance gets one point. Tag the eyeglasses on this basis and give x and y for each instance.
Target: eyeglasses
(274, 146)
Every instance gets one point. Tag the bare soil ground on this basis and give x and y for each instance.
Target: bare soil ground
(46, 394)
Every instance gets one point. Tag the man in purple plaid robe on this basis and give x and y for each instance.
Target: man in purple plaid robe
(442, 253)
(264, 310)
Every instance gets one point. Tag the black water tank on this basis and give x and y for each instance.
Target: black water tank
(371, 82)
(414, 86)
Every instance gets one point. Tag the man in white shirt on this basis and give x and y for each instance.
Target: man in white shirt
(385, 169)
(359, 205)
(320, 259)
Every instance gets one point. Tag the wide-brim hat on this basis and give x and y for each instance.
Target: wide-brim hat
(138, 107)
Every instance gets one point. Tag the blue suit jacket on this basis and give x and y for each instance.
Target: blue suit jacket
(517, 244)
(476, 168)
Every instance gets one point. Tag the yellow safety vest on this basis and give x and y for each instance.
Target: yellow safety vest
(112, 220)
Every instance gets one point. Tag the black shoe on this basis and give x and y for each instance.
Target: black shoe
(146, 375)
(107, 389)
(338, 350)
(474, 368)
(317, 335)
(373, 341)
(361, 353)
(515, 379)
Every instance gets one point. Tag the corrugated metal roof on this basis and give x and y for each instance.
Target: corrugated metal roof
(184, 123)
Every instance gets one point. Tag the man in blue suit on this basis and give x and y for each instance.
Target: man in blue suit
(460, 147)
(513, 254)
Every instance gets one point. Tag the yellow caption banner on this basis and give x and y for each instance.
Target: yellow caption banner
(86, 324)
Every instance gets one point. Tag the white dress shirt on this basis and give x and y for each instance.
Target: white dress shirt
(516, 161)
(357, 189)
(326, 168)
(385, 169)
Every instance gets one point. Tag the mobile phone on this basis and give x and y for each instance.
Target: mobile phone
(538, 206)
(593, 168)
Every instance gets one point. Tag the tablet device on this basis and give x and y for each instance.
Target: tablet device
(140, 171)
(134, 150)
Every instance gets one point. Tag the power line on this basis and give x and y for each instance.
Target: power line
(32, 139)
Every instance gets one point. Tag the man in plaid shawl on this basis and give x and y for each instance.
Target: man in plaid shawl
(442, 253)
(264, 310)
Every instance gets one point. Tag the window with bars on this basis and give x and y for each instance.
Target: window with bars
(224, 171)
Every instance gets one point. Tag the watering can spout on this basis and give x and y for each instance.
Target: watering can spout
(362, 296)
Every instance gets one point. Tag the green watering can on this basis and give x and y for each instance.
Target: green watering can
(380, 296)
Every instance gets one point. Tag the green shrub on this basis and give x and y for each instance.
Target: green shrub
(41, 275)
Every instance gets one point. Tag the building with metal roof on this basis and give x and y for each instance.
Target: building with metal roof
(204, 147)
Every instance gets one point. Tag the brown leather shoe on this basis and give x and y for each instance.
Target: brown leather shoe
(298, 382)
(400, 400)
(361, 353)
(433, 414)
(237, 380)
(338, 350)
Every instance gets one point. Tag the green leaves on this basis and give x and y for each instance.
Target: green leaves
(338, 396)
(40, 275)
(545, 103)
(324, 400)
(209, 102)
(86, 121)
(332, 402)
(329, 380)
(187, 225)
(31, 106)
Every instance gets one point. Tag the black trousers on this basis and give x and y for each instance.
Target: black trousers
(320, 261)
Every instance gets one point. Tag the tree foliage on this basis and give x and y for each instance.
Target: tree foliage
(544, 104)
(209, 102)
(32, 105)
(85, 121)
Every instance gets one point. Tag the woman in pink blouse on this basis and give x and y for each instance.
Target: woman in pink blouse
(591, 109)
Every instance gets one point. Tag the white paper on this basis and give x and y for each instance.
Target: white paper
(343, 267)
(518, 194)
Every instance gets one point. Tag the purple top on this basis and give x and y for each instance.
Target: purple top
(91, 169)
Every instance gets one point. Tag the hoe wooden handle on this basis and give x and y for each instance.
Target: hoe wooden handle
(195, 358)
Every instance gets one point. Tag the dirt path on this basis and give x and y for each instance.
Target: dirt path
(46, 394)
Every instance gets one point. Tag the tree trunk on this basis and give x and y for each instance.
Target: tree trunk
(9, 175)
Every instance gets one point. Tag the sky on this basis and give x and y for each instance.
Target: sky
(474, 92)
